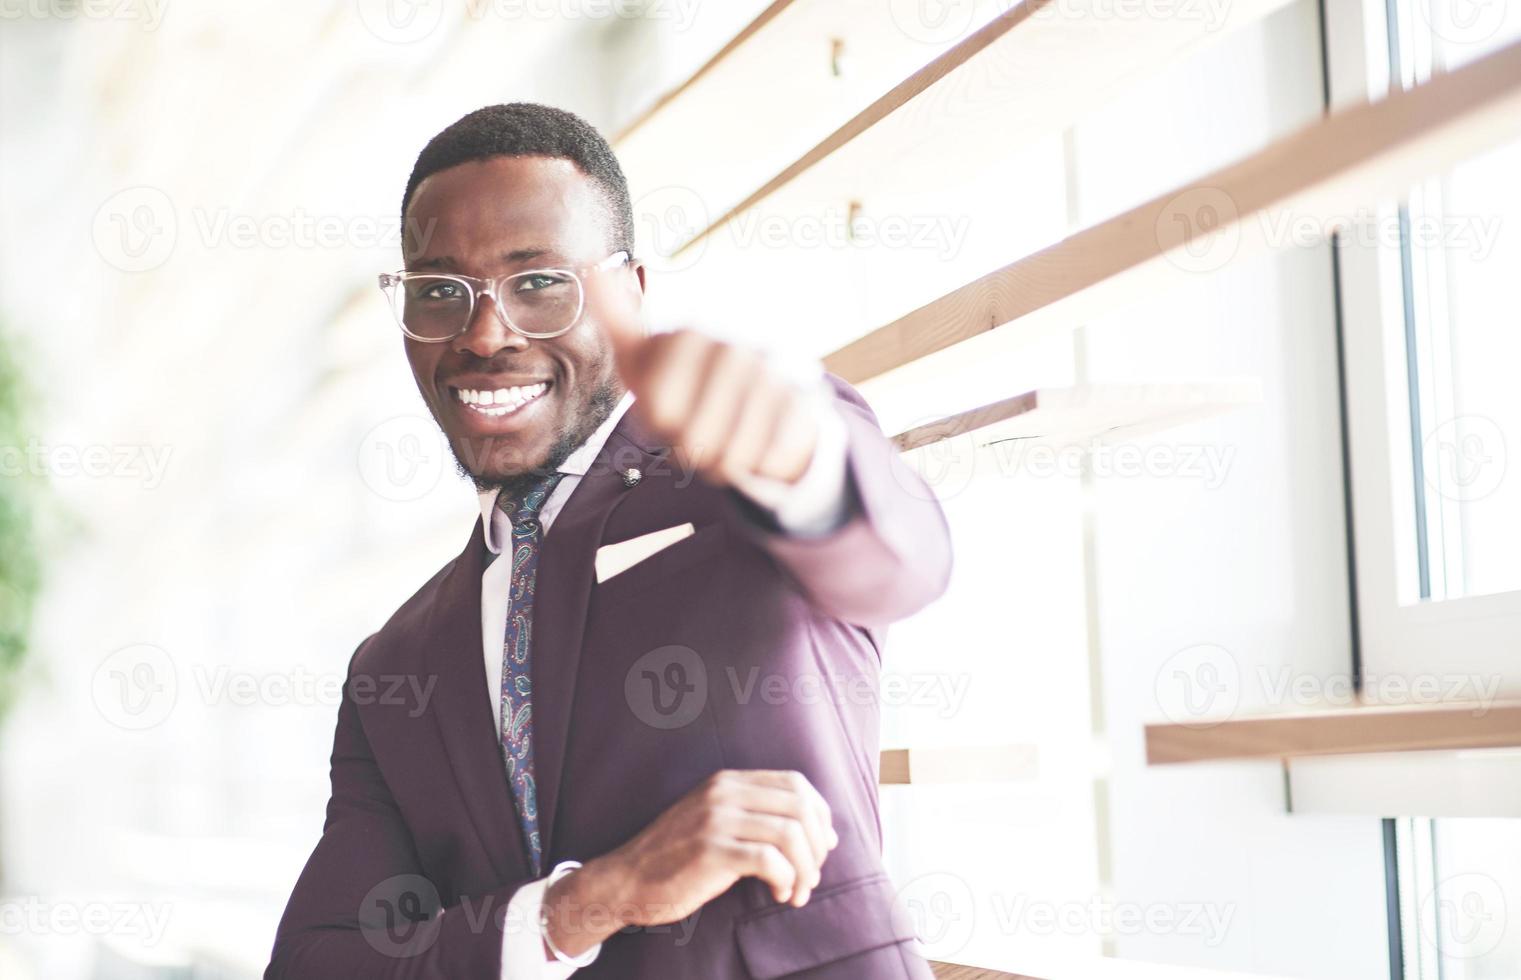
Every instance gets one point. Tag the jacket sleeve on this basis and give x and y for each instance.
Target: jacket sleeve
(362, 907)
(892, 556)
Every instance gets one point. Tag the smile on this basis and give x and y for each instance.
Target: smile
(501, 401)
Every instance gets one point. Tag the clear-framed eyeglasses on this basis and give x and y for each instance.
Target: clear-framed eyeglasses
(540, 304)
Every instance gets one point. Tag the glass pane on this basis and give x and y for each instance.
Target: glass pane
(1463, 901)
(1461, 247)
(1473, 349)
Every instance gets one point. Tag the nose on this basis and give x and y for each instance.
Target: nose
(488, 332)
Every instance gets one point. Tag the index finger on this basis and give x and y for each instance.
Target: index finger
(796, 782)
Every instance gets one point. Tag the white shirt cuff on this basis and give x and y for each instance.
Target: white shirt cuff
(523, 955)
(819, 501)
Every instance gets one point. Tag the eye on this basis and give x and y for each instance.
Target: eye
(443, 290)
(535, 281)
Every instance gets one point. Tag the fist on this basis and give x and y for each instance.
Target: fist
(725, 410)
(771, 825)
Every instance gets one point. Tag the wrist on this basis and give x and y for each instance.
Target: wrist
(582, 909)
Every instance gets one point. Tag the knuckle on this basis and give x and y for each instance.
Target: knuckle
(685, 338)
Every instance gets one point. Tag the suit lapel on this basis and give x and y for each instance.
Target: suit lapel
(561, 596)
(463, 711)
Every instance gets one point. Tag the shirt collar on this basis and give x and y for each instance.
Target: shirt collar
(576, 464)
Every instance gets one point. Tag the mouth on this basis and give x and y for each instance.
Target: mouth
(495, 403)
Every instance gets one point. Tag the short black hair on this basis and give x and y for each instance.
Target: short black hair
(528, 129)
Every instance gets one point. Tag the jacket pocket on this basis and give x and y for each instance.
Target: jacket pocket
(847, 919)
(705, 543)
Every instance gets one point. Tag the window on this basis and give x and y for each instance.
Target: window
(1433, 415)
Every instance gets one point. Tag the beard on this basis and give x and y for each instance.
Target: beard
(573, 433)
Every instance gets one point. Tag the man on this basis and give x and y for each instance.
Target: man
(670, 680)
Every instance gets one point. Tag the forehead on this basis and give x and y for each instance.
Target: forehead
(478, 212)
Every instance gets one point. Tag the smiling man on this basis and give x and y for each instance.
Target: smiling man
(651, 749)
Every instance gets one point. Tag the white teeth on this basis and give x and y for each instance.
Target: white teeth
(502, 400)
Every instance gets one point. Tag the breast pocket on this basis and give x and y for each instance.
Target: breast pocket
(702, 546)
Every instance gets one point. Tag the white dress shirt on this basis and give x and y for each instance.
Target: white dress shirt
(816, 504)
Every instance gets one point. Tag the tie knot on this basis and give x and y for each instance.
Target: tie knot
(522, 507)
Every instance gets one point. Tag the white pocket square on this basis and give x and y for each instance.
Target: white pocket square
(622, 555)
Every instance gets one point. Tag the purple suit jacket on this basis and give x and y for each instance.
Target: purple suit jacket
(736, 648)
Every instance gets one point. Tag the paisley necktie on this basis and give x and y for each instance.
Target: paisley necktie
(517, 684)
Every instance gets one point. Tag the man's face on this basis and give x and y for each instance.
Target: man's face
(496, 217)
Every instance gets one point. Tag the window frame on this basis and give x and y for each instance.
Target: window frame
(1401, 633)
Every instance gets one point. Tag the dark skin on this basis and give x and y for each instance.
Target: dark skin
(493, 218)
(723, 411)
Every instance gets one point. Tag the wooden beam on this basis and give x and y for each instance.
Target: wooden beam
(722, 55)
(898, 97)
(867, 83)
(1339, 731)
(1014, 75)
(972, 764)
(952, 971)
(1320, 174)
(1086, 411)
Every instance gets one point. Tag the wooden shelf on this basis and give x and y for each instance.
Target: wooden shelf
(1015, 77)
(1086, 412)
(951, 971)
(1339, 731)
(721, 59)
(787, 80)
(1352, 159)
(979, 764)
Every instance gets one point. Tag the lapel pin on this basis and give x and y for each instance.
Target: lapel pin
(631, 477)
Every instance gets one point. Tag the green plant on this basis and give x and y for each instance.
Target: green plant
(20, 495)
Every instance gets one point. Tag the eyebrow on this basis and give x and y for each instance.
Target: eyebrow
(510, 258)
